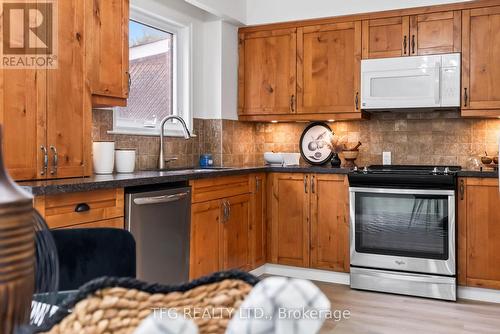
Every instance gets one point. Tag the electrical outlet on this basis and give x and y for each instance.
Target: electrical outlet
(386, 158)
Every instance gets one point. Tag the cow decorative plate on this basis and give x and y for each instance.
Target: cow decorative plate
(315, 145)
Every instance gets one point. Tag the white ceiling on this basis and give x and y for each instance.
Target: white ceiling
(253, 12)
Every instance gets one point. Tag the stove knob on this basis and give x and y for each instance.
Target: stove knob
(446, 170)
(355, 169)
(435, 171)
(365, 170)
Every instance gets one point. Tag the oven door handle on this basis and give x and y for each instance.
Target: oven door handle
(402, 191)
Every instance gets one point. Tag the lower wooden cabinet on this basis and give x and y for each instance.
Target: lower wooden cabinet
(330, 222)
(89, 209)
(479, 233)
(220, 226)
(309, 221)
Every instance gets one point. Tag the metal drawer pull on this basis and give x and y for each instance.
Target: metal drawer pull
(82, 207)
(45, 160)
(160, 199)
(55, 160)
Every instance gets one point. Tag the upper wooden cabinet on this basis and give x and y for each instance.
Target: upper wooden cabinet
(267, 72)
(46, 114)
(328, 68)
(108, 22)
(387, 37)
(480, 66)
(423, 34)
(478, 231)
(435, 33)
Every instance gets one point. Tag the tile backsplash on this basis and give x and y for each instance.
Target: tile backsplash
(412, 137)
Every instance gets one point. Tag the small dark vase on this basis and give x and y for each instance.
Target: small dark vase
(17, 252)
(336, 161)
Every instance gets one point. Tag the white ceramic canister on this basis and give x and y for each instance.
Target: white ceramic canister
(103, 155)
(125, 160)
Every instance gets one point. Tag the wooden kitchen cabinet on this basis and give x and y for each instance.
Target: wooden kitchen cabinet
(290, 219)
(99, 208)
(50, 109)
(258, 223)
(386, 37)
(480, 70)
(220, 225)
(108, 22)
(325, 54)
(478, 233)
(267, 72)
(309, 221)
(330, 222)
(435, 33)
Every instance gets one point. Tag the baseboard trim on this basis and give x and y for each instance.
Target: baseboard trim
(469, 293)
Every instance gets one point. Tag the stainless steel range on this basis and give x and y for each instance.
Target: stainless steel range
(403, 230)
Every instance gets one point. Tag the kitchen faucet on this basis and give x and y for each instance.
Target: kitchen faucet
(187, 135)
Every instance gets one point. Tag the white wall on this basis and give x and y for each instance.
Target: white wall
(229, 67)
(271, 11)
(231, 10)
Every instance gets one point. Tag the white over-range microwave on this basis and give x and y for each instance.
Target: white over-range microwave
(411, 82)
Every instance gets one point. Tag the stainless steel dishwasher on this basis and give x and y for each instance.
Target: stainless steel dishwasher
(160, 222)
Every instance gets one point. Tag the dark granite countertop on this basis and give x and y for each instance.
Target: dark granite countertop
(144, 178)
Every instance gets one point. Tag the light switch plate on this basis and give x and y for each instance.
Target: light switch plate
(386, 158)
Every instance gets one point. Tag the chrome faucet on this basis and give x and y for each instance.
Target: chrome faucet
(187, 135)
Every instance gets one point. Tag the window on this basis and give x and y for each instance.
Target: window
(158, 55)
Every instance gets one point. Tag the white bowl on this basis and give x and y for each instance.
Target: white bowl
(272, 158)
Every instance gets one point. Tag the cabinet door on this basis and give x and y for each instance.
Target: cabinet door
(205, 239)
(68, 98)
(109, 52)
(480, 50)
(325, 54)
(290, 219)
(22, 115)
(482, 233)
(258, 224)
(267, 72)
(384, 38)
(330, 222)
(235, 233)
(435, 33)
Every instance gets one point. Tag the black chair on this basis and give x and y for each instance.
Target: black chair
(85, 254)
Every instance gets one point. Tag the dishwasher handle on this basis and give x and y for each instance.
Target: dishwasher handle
(160, 199)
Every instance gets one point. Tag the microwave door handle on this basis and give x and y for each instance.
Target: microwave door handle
(437, 83)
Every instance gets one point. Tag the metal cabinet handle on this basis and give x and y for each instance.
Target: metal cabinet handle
(257, 184)
(405, 43)
(356, 100)
(462, 190)
(313, 186)
(55, 160)
(292, 103)
(228, 210)
(412, 44)
(160, 199)
(129, 83)
(45, 160)
(82, 207)
(466, 97)
(305, 183)
(224, 212)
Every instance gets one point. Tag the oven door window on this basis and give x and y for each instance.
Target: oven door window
(402, 225)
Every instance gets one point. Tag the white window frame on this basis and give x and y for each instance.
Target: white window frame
(182, 75)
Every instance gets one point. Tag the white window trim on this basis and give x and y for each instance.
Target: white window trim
(182, 71)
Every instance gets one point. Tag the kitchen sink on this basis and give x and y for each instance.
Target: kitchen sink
(195, 170)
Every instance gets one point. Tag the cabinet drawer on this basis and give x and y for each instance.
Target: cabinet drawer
(219, 187)
(62, 210)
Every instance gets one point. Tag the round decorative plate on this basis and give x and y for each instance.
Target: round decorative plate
(315, 143)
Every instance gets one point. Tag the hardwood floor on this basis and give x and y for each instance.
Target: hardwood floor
(378, 313)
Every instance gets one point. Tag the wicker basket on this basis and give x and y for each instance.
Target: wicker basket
(119, 305)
